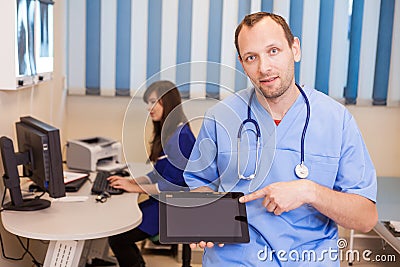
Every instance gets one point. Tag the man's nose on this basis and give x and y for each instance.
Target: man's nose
(264, 64)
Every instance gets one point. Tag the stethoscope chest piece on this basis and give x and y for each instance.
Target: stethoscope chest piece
(301, 170)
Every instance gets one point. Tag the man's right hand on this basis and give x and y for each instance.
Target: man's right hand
(203, 244)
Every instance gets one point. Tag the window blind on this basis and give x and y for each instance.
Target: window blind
(116, 47)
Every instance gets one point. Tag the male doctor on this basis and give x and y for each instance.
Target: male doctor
(293, 211)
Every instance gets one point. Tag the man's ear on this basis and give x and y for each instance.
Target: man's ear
(296, 49)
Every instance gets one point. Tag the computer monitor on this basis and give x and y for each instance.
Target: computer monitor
(39, 151)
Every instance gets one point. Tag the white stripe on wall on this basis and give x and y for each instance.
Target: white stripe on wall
(228, 50)
(255, 6)
(368, 50)
(108, 47)
(138, 45)
(282, 7)
(169, 39)
(198, 71)
(340, 50)
(76, 47)
(76, 57)
(309, 43)
(394, 74)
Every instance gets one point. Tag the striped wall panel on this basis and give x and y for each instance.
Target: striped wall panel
(350, 48)
(93, 30)
(109, 66)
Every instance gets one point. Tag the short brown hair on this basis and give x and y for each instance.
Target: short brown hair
(251, 19)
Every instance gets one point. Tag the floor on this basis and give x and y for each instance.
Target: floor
(162, 260)
(381, 255)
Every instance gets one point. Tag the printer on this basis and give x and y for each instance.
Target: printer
(95, 153)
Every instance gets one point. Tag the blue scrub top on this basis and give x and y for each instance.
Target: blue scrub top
(335, 154)
(168, 174)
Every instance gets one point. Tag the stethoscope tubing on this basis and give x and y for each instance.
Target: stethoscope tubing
(258, 135)
(303, 135)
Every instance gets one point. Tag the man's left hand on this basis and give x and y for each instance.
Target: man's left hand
(283, 196)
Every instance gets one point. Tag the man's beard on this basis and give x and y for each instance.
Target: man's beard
(268, 94)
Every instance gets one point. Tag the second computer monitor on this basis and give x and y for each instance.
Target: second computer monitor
(45, 167)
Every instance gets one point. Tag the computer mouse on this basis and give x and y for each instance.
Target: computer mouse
(103, 197)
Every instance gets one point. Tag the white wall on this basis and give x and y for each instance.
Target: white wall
(89, 116)
(380, 126)
(45, 102)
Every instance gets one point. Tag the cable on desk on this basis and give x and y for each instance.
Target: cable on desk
(39, 196)
(63, 153)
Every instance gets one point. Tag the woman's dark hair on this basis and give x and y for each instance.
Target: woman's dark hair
(170, 99)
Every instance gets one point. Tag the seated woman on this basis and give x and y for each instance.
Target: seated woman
(170, 148)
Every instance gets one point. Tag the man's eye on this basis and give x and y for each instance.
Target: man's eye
(250, 58)
(274, 51)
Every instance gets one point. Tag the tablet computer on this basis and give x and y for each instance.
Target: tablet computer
(191, 217)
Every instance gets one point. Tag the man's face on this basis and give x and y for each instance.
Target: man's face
(267, 58)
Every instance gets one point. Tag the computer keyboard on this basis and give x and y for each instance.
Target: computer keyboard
(101, 184)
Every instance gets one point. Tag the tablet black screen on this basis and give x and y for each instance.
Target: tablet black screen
(192, 216)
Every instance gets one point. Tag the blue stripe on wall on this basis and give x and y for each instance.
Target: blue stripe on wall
(325, 29)
(350, 91)
(296, 25)
(241, 80)
(267, 5)
(154, 39)
(183, 53)
(93, 18)
(123, 46)
(214, 48)
(298, 9)
(383, 52)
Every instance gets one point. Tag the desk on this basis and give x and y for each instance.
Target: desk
(387, 203)
(388, 198)
(69, 224)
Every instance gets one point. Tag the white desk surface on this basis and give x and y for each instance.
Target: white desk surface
(78, 220)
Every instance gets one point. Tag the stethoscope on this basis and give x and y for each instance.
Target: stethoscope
(301, 169)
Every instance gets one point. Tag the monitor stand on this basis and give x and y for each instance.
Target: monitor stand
(11, 161)
(28, 205)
